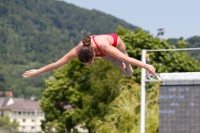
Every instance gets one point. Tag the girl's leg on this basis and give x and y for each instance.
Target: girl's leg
(122, 66)
(129, 68)
(121, 46)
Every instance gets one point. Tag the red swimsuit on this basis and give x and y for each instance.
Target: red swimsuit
(115, 37)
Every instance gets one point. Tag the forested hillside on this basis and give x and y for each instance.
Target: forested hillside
(192, 42)
(34, 33)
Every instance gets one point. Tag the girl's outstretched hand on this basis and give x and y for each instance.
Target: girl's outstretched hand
(30, 73)
(151, 69)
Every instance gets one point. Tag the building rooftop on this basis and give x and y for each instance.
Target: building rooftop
(19, 104)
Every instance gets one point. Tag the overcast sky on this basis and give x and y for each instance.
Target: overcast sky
(179, 18)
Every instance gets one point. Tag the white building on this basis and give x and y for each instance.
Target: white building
(28, 113)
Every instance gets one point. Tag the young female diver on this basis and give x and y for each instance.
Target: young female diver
(107, 46)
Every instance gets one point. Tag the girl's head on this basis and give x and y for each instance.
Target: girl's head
(86, 53)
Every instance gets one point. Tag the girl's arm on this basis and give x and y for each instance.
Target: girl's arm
(112, 51)
(65, 59)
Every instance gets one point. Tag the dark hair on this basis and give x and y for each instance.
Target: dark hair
(86, 53)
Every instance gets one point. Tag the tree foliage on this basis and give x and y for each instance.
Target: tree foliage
(168, 61)
(8, 126)
(105, 101)
(88, 90)
(192, 42)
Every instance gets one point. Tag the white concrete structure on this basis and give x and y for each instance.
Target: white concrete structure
(28, 113)
(166, 79)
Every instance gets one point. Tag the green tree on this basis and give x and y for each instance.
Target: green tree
(163, 61)
(7, 125)
(103, 100)
(88, 90)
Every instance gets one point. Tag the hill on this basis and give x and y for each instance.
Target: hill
(192, 42)
(34, 33)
